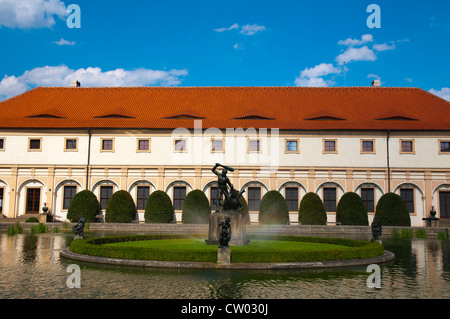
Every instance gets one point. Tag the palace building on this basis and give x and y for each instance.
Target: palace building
(57, 141)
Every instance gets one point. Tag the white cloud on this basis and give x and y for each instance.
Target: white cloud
(64, 42)
(443, 93)
(311, 82)
(246, 29)
(384, 47)
(354, 42)
(356, 54)
(319, 70)
(312, 77)
(29, 14)
(89, 77)
(238, 46)
(373, 76)
(252, 29)
(409, 80)
(11, 86)
(234, 26)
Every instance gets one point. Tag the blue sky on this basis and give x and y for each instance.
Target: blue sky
(224, 43)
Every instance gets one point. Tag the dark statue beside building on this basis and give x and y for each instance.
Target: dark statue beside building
(377, 229)
(79, 227)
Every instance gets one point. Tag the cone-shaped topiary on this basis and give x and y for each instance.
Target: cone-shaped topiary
(351, 210)
(391, 210)
(273, 209)
(312, 211)
(159, 208)
(84, 204)
(120, 208)
(196, 209)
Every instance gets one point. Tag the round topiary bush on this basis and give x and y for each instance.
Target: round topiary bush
(196, 209)
(273, 209)
(159, 208)
(351, 210)
(312, 211)
(120, 208)
(84, 204)
(391, 210)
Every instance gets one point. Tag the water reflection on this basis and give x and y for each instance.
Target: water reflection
(31, 267)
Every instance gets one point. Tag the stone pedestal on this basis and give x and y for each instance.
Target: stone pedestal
(223, 255)
(78, 237)
(237, 223)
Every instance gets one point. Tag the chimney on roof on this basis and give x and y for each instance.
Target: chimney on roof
(75, 84)
(376, 83)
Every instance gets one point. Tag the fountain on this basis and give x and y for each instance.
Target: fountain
(228, 209)
(227, 228)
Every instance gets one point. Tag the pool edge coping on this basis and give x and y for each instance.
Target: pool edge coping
(386, 257)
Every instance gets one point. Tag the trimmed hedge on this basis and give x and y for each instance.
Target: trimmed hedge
(273, 209)
(354, 249)
(120, 208)
(84, 204)
(99, 247)
(312, 210)
(196, 209)
(159, 208)
(351, 210)
(391, 210)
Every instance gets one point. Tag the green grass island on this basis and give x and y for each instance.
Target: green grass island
(192, 248)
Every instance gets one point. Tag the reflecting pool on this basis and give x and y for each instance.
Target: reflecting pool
(31, 267)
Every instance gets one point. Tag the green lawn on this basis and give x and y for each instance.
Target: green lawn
(197, 244)
(256, 251)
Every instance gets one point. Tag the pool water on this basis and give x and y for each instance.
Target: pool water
(31, 267)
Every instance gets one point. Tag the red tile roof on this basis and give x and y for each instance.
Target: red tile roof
(286, 108)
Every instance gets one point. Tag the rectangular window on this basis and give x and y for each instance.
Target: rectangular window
(105, 194)
(214, 198)
(217, 145)
(143, 145)
(33, 200)
(254, 198)
(35, 144)
(2, 144)
(367, 146)
(291, 195)
(329, 199)
(254, 146)
(367, 195)
(329, 146)
(407, 147)
(71, 144)
(291, 146)
(69, 193)
(180, 146)
(107, 145)
(142, 195)
(1, 200)
(444, 204)
(179, 194)
(408, 196)
(444, 147)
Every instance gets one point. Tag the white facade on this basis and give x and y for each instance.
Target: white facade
(310, 167)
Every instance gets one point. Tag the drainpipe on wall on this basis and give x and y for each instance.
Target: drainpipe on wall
(387, 158)
(88, 159)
